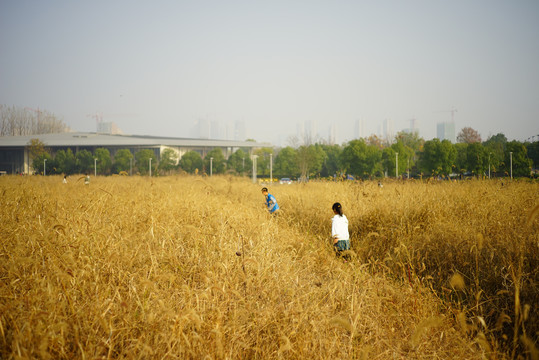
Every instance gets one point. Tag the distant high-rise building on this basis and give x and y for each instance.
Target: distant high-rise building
(300, 132)
(332, 134)
(201, 129)
(358, 129)
(388, 131)
(307, 132)
(108, 127)
(446, 131)
(413, 127)
(311, 132)
(240, 132)
(215, 130)
(229, 132)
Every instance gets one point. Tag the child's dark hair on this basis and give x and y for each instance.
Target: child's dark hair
(265, 189)
(337, 208)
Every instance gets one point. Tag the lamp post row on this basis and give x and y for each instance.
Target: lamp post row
(271, 166)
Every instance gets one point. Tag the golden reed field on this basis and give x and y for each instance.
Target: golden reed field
(195, 268)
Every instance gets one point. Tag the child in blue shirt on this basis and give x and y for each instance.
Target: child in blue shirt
(271, 202)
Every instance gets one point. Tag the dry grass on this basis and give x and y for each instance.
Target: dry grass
(148, 268)
(486, 232)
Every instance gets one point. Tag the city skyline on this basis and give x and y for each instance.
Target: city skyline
(155, 68)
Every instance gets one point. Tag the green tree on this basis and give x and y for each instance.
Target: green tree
(498, 138)
(449, 155)
(375, 141)
(533, 153)
(388, 161)
(168, 161)
(52, 167)
(390, 157)
(437, 157)
(36, 147)
(406, 156)
(521, 163)
(37, 150)
(84, 161)
(65, 162)
(309, 159)
(218, 163)
(411, 140)
(104, 162)
(331, 164)
(461, 160)
(263, 161)
(122, 161)
(476, 158)
(142, 160)
(239, 162)
(361, 159)
(495, 147)
(39, 163)
(191, 162)
(285, 163)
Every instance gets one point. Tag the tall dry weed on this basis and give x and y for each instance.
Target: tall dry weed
(485, 231)
(149, 268)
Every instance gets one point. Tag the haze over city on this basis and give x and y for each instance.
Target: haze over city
(159, 68)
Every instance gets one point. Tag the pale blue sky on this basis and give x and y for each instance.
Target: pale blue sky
(155, 67)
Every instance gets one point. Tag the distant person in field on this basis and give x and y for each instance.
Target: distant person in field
(339, 230)
(65, 179)
(87, 180)
(271, 202)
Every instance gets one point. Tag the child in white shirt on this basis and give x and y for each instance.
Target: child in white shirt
(339, 230)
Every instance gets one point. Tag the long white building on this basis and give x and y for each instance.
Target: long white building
(15, 151)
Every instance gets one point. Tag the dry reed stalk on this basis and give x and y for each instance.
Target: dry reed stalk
(128, 267)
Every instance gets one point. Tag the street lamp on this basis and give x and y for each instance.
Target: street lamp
(131, 167)
(254, 168)
(271, 168)
(44, 167)
(211, 166)
(95, 166)
(489, 165)
(150, 161)
(511, 162)
(396, 165)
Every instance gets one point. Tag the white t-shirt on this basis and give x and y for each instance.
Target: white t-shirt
(339, 227)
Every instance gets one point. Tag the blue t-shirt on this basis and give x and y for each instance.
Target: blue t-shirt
(271, 203)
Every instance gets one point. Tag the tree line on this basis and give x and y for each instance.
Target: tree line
(16, 121)
(125, 162)
(366, 158)
(100, 161)
(409, 154)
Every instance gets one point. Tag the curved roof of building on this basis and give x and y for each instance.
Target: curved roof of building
(98, 139)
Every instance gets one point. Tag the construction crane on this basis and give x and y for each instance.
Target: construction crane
(98, 119)
(452, 111)
(103, 126)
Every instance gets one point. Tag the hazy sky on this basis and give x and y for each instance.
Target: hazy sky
(155, 67)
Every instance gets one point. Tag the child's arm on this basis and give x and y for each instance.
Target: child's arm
(271, 203)
(334, 234)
